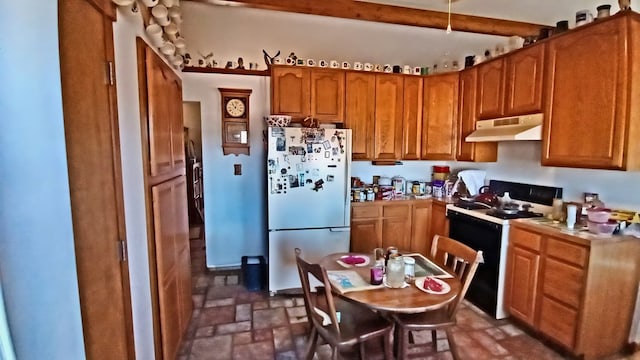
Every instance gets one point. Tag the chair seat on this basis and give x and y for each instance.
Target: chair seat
(358, 323)
(425, 321)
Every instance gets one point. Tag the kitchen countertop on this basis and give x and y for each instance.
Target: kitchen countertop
(407, 199)
(578, 235)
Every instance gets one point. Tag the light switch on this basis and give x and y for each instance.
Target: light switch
(237, 169)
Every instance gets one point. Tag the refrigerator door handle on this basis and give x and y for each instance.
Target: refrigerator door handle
(340, 229)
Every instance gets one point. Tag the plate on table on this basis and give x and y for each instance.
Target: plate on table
(353, 260)
(432, 285)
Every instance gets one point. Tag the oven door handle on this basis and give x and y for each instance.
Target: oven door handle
(454, 215)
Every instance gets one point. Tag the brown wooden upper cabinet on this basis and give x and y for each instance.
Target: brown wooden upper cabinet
(302, 92)
(360, 97)
(440, 117)
(592, 117)
(412, 118)
(471, 151)
(512, 84)
(388, 117)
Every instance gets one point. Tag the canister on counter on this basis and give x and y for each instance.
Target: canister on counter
(440, 173)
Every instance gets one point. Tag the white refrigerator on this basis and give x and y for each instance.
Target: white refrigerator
(308, 196)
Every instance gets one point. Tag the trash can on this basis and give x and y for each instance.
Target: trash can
(253, 272)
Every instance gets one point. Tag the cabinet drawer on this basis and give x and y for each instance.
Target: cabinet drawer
(563, 282)
(558, 321)
(571, 253)
(525, 239)
(396, 211)
(364, 212)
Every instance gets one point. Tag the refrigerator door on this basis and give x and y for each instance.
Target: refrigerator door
(315, 244)
(308, 178)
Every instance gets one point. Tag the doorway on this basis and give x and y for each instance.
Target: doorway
(195, 191)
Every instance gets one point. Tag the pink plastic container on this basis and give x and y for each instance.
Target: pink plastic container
(598, 215)
(605, 228)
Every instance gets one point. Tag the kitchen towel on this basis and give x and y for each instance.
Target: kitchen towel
(473, 180)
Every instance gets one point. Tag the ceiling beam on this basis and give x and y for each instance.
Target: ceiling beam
(359, 10)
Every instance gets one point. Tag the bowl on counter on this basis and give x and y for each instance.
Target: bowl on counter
(598, 215)
(602, 228)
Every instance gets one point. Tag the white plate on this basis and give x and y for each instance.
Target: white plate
(344, 264)
(445, 287)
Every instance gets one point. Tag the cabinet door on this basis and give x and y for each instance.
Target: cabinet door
(558, 321)
(420, 226)
(290, 91)
(95, 180)
(439, 221)
(440, 117)
(524, 78)
(471, 151)
(359, 112)
(388, 117)
(412, 118)
(396, 232)
(491, 89)
(327, 95)
(586, 97)
(164, 117)
(365, 235)
(173, 266)
(522, 283)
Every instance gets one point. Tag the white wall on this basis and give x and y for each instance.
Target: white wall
(234, 206)
(125, 30)
(37, 257)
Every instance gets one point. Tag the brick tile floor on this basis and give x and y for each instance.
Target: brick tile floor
(231, 323)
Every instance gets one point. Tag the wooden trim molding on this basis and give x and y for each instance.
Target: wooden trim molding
(360, 10)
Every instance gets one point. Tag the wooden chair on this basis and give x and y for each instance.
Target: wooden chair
(356, 324)
(462, 261)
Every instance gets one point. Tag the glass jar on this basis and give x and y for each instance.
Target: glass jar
(377, 272)
(409, 269)
(395, 272)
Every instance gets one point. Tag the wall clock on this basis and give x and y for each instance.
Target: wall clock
(235, 120)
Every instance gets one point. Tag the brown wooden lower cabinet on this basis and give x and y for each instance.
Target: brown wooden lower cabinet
(439, 220)
(578, 291)
(405, 224)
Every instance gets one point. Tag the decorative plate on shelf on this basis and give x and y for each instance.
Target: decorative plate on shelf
(432, 285)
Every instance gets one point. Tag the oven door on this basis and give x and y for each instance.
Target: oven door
(486, 236)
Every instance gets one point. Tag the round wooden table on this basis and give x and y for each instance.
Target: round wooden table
(404, 300)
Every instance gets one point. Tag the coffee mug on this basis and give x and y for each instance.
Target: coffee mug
(397, 69)
(377, 67)
(323, 63)
(424, 70)
(603, 11)
(387, 68)
(406, 69)
(357, 65)
(583, 17)
(291, 61)
(368, 66)
(277, 60)
(416, 70)
(346, 65)
(300, 62)
(311, 62)
(562, 26)
(334, 64)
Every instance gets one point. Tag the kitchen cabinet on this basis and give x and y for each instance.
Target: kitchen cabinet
(524, 80)
(412, 118)
(388, 117)
(563, 287)
(471, 151)
(440, 117)
(421, 227)
(439, 221)
(302, 92)
(360, 95)
(402, 223)
(491, 89)
(591, 118)
(512, 84)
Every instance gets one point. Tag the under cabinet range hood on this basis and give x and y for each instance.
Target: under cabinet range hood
(523, 127)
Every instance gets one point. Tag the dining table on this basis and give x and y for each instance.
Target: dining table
(408, 299)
